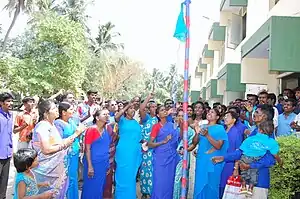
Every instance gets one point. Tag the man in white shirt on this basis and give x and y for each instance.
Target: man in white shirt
(137, 116)
(264, 98)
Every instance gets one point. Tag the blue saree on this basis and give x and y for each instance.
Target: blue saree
(165, 160)
(208, 175)
(93, 188)
(235, 139)
(178, 174)
(66, 130)
(128, 158)
(146, 168)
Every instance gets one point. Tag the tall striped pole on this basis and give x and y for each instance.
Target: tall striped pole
(185, 102)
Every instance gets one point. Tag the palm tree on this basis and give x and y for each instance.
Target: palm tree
(103, 41)
(17, 6)
(171, 79)
(75, 10)
(28, 6)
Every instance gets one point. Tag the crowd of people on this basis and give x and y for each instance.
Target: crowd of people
(109, 146)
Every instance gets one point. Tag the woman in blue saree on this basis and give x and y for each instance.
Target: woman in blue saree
(128, 153)
(148, 120)
(164, 139)
(67, 127)
(235, 139)
(178, 174)
(96, 157)
(213, 142)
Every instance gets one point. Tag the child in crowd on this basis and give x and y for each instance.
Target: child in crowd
(26, 185)
(254, 148)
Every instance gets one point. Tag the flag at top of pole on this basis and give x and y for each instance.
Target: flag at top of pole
(182, 33)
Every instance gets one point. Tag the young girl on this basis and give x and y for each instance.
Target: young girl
(26, 186)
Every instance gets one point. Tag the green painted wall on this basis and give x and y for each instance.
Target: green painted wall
(214, 87)
(241, 3)
(203, 66)
(284, 54)
(218, 32)
(203, 92)
(234, 3)
(207, 53)
(195, 96)
(258, 37)
(284, 49)
(233, 82)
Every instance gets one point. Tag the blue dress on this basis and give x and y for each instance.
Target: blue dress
(128, 158)
(93, 188)
(31, 185)
(146, 166)
(235, 139)
(208, 175)
(66, 130)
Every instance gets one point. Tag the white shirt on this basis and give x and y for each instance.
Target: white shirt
(276, 115)
(137, 116)
(297, 119)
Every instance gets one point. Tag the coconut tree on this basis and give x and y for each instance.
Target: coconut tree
(75, 10)
(15, 7)
(104, 39)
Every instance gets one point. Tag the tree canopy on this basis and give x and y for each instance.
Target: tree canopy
(57, 51)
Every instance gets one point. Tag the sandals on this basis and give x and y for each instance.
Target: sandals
(247, 192)
(243, 191)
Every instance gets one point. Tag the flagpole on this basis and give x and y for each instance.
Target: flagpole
(184, 180)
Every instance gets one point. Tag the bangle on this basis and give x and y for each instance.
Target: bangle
(60, 147)
(235, 168)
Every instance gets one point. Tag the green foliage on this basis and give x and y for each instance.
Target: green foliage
(285, 181)
(114, 75)
(104, 40)
(53, 55)
(162, 82)
(57, 57)
(12, 74)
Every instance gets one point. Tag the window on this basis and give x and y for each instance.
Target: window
(244, 26)
(237, 28)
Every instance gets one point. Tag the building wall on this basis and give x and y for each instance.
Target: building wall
(258, 12)
(231, 96)
(256, 71)
(195, 83)
(253, 71)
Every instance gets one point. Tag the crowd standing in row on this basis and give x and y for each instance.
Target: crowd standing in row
(123, 142)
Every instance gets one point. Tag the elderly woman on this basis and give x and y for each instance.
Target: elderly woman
(51, 149)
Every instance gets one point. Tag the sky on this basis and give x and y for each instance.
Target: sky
(147, 28)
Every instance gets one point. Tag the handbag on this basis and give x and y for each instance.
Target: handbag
(232, 189)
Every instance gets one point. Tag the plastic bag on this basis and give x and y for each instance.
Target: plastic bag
(232, 189)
